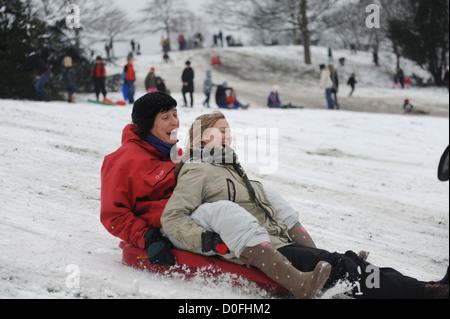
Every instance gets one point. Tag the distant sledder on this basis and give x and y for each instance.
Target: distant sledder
(408, 108)
(275, 102)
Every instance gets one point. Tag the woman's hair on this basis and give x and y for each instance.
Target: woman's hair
(200, 125)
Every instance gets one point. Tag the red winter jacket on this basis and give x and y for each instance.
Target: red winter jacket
(98, 70)
(137, 182)
(129, 72)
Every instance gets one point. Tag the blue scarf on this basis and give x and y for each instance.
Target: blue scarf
(159, 145)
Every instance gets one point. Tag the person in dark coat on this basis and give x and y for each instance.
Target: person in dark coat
(188, 83)
(352, 82)
(221, 95)
(446, 78)
(34, 62)
(69, 77)
(98, 74)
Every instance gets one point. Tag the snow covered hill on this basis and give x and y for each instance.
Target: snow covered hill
(253, 71)
(359, 180)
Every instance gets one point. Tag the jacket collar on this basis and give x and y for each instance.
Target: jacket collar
(128, 136)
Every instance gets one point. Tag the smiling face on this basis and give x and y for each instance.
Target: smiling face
(218, 135)
(166, 126)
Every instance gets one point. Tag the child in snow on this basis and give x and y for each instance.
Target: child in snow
(233, 103)
(408, 108)
(150, 81)
(207, 88)
(352, 81)
(69, 77)
(275, 102)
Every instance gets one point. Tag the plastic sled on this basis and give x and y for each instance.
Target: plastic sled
(125, 91)
(108, 102)
(191, 265)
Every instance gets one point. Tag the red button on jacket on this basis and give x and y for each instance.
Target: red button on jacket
(136, 183)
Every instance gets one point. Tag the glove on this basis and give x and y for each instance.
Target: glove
(212, 242)
(158, 248)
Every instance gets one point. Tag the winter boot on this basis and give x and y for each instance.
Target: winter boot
(363, 254)
(70, 98)
(300, 236)
(303, 285)
(436, 291)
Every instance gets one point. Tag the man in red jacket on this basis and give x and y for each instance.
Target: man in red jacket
(130, 78)
(139, 178)
(98, 73)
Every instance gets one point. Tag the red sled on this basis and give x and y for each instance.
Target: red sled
(191, 265)
(216, 60)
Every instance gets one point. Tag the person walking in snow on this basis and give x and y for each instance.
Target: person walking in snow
(98, 74)
(69, 78)
(249, 227)
(130, 78)
(352, 82)
(401, 77)
(188, 83)
(335, 79)
(327, 84)
(207, 88)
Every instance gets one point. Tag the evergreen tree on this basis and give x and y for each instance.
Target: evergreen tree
(21, 31)
(424, 37)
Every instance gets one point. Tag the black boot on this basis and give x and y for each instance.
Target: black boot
(436, 291)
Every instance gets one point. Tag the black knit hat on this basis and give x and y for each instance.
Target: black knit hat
(146, 108)
(149, 105)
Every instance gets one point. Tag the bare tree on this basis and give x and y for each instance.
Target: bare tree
(163, 15)
(100, 20)
(304, 16)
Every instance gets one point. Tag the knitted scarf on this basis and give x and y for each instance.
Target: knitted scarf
(159, 145)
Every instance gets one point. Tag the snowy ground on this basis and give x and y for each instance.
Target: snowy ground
(359, 180)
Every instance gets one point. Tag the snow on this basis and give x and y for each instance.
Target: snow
(361, 179)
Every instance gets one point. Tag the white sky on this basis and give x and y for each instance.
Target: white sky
(150, 43)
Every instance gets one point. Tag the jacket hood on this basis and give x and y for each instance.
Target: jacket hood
(128, 134)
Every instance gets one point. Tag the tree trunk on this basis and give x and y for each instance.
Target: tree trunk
(305, 32)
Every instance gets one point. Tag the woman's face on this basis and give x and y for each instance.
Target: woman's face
(166, 126)
(218, 135)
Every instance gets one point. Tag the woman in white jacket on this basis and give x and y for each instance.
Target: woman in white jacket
(327, 83)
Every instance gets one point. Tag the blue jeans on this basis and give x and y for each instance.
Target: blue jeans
(39, 85)
(130, 91)
(330, 102)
